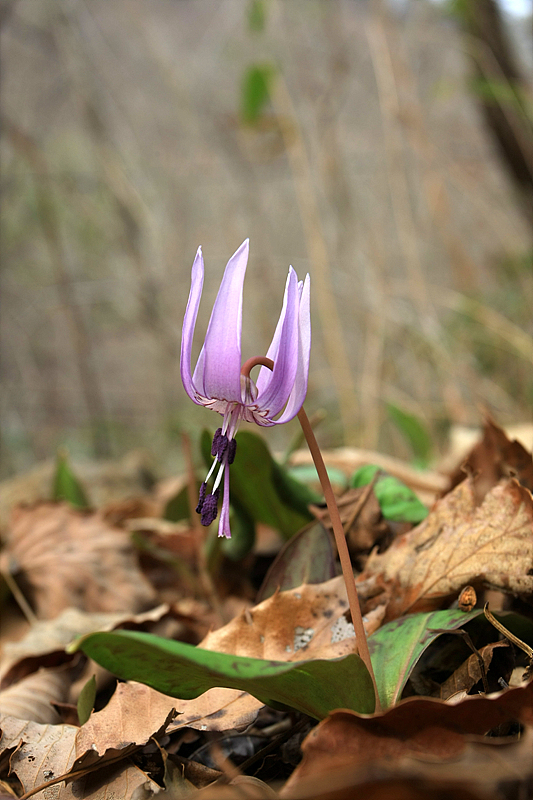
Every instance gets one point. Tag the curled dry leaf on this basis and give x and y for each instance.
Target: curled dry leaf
(493, 458)
(460, 542)
(345, 743)
(469, 673)
(484, 770)
(69, 558)
(46, 639)
(32, 697)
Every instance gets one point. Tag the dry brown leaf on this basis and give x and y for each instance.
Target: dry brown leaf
(306, 622)
(486, 769)
(493, 458)
(32, 697)
(69, 558)
(49, 751)
(469, 673)
(132, 716)
(458, 543)
(425, 729)
(44, 751)
(47, 637)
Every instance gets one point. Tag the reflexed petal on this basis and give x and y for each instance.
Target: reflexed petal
(276, 394)
(299, 390)
(220, 359)
(265, 374)
(189, 322)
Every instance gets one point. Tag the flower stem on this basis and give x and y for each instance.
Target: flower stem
(361, 643)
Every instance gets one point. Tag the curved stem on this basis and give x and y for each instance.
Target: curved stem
(361, 644)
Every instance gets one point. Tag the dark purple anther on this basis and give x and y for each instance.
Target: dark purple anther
(201, 498)
(210, 508)
(220, 444)
(216, 442)
(232, 449)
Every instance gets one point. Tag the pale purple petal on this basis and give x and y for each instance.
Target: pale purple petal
(299, 390)
(189, 322)
(223, 525)
(265, 374)
(221, 354)
(276, 394)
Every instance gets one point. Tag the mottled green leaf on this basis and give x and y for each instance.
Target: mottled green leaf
(181, 670)
(397, 646)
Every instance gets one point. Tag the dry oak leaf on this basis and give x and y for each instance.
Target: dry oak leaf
(69, 558)
(46, 752)
(458, 543)
(419, 728)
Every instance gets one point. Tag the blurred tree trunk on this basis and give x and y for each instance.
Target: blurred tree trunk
(502, 92)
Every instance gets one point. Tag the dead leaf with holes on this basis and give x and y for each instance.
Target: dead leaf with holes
(459, 542)
(44, 753)
(68, 558)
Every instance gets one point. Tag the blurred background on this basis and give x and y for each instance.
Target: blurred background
(386, 147)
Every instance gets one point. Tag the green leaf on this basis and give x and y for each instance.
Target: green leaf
(397, 646)
(86, 700)
(181, 670)
(65, 485)
(414, 432)
(306, 473)
(177, 507)
(397, 501)
(262, 488)
(255, 91)
(257, 15)
(309, 557)
(242, 535)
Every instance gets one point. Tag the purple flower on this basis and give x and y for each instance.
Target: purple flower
(217, 382)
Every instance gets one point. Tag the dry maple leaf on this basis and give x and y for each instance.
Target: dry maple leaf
(460, 542)
(69, 558)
